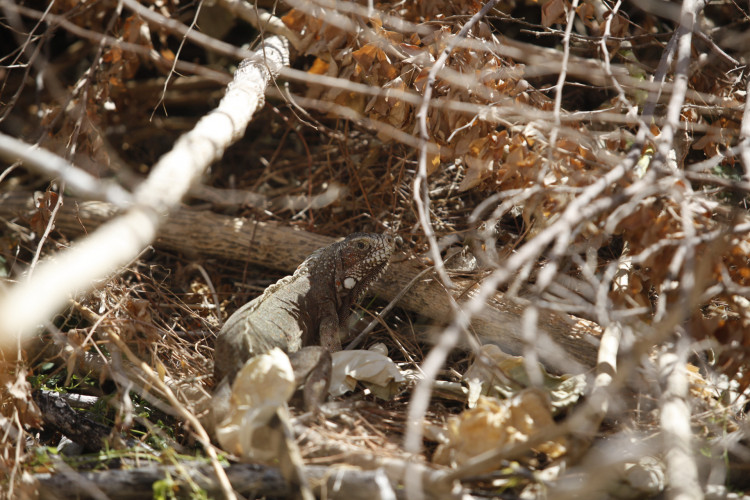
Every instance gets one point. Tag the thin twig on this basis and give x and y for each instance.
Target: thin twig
(172, 70)
(47, 229)
(683, 35)
(608, 64)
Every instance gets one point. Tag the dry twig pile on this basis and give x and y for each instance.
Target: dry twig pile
(572, 175)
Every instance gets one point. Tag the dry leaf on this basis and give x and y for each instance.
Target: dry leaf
(44, 203)
(319, 67)
(377, 371)
(506, 375)
(477, 169)
(645, 478)
(18, 387)
(494, 424)
(264, 384)
(553, 12)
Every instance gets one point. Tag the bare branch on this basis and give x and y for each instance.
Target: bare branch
(52, 166)
(665, 144)
(675, 427)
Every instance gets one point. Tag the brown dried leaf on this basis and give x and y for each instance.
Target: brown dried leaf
(493, 424)
(18, 388)
(44, 203)
(553, 12)
(319, 67)
(477, 169)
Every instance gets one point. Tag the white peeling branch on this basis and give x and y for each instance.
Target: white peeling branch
(261, 19)
(32, 302)
(745, 136)
(173, 174)
(677, 437)
(689, 12)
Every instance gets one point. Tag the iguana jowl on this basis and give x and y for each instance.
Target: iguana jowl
(306, 308)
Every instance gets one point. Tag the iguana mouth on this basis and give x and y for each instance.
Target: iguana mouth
(366, 282)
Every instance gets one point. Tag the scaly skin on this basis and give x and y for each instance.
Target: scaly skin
(306, 308)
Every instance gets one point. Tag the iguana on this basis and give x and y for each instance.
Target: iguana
(306, 308)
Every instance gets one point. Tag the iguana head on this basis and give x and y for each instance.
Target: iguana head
(346, 269)
(363, 258)
(351, 266)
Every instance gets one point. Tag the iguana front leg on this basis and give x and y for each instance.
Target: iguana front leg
(329, 328)
(312, 366)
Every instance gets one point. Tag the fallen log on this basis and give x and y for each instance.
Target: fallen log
(566, 343)
(252, 481)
